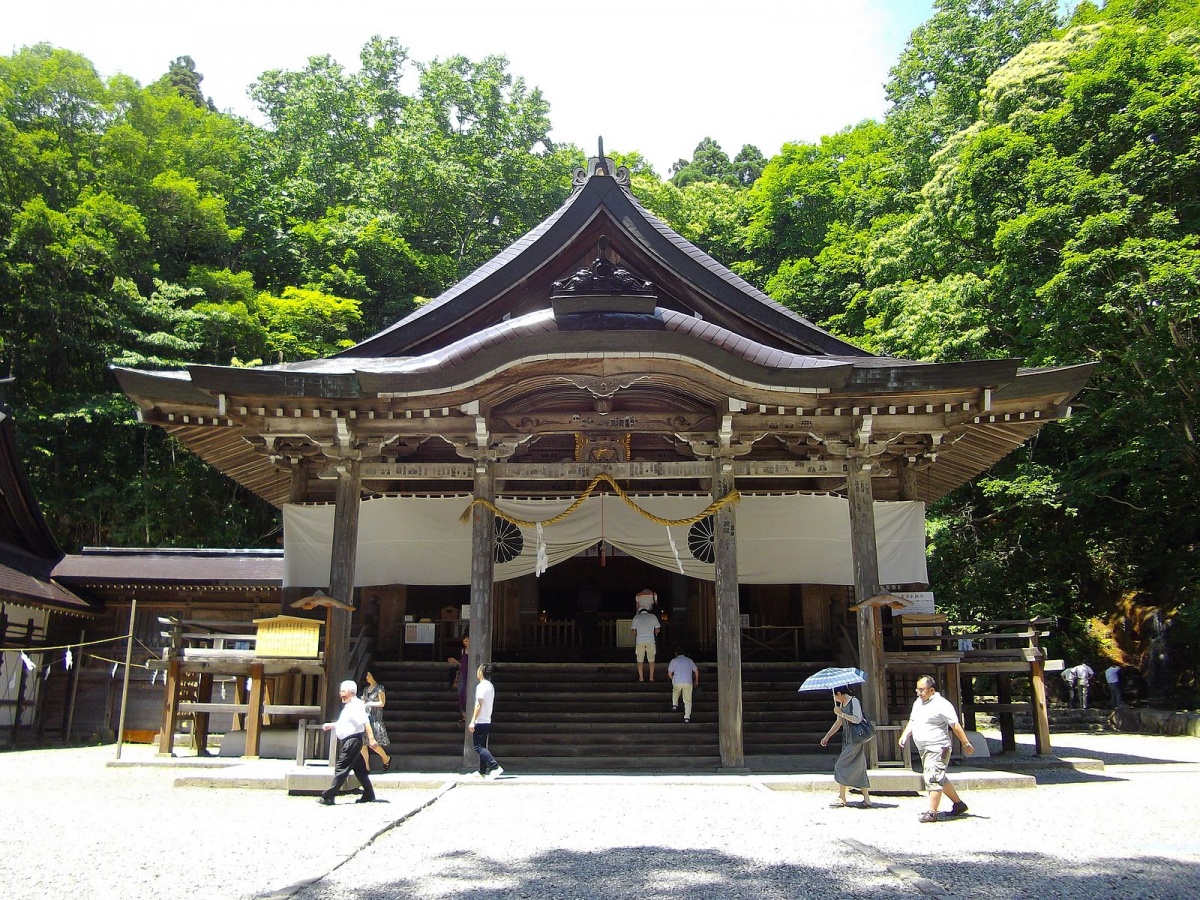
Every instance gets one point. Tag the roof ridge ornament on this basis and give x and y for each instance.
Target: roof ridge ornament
(603, 277)
(600, 166)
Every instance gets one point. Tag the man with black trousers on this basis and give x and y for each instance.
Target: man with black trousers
(351, 727)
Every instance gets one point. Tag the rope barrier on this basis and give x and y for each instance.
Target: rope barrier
(603, 478)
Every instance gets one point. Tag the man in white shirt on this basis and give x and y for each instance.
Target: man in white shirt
(351, 728)
(480, 725)
(930, 723)
(1078, 683)
(684, 674)
(644, 627)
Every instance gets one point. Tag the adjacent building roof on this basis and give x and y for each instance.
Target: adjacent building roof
(28, 551)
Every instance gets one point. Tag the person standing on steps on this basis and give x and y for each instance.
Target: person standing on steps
(645, 626)
(930, 723)
(481, 723)
(351, 728)
(460, 666)
(375, 699)
(850, 770)
(684, 675)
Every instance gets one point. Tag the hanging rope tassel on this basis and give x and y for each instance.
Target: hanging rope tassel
(675, 551)
(68, 658)
(27, 662)
(543, 561)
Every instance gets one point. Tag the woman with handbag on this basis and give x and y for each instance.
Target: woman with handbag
(850, 770)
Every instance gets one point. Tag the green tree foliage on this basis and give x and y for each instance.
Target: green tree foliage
(140, 227)
(1061, 226)
(710, 163)
(934, 86)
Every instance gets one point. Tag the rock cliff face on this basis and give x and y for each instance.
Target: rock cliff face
(1155, 721)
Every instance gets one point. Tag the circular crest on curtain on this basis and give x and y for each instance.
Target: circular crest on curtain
(702, 540)
(509, 541)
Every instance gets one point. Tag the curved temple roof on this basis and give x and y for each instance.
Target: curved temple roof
(601, 287)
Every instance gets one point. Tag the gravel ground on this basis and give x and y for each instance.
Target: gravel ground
(78, 827)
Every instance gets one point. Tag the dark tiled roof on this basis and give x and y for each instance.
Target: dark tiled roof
(93, 565)
(25, 579)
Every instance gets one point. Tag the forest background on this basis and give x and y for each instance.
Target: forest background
(1033, 192)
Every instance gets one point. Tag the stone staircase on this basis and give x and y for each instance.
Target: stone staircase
(587, 717)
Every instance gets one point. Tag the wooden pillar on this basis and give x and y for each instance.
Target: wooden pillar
(1041, 718)
(968, 694)
(341, 581)
(865, 556)
(729, 630)
(255, 715)
(200, 720)
(1008, 724)
(170, 717)
(297, 493)
(907, 477)
(483, 566)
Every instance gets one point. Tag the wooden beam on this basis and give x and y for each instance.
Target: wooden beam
(865, 556)
(341, 581)
(1041, 717)
(729, 630)
(170, 717)
(255, 713)
(483, 570)
(571, 471)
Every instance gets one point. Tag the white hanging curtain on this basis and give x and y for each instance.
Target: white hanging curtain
(781, 539)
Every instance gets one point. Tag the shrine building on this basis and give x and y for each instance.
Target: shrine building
(603, 402)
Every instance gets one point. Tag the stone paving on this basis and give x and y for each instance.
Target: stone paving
(78, 826)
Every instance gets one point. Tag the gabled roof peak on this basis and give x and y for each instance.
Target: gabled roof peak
(600, 166)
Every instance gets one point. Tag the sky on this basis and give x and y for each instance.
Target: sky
(655, 76)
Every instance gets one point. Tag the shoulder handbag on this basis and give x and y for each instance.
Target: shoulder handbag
(862, 730)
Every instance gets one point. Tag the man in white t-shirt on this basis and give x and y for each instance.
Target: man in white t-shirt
(684, 675)
(480, 725)
(644, 627)
(930, 723)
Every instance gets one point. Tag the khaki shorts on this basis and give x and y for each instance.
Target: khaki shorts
(933, 766)
(644, 650)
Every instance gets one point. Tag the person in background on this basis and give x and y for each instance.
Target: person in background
(480, 725)
(684, 675)
(458, 675)
(1079, 683)
(374, 698)
(645, 626)
(1112, 677)
(930, 723)
(850, 770)
(351, 728)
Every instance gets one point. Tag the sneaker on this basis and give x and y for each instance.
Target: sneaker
(927, 817)
(958, 808)
(674, 709)
(687, 720)
(495, 773)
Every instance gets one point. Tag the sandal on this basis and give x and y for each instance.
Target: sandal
(838, 804)
(866, 804)
(927, 817)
